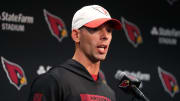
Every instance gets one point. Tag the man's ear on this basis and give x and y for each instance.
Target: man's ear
(75, 35)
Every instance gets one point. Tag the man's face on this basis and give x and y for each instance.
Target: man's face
(94, 43)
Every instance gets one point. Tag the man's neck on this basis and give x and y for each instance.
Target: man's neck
(92, 67)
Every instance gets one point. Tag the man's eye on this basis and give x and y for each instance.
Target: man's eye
(109, 30)
(92, 29)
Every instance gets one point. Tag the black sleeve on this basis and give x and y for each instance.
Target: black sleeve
(44, 88)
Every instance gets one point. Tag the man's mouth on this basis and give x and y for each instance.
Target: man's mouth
(102, 49)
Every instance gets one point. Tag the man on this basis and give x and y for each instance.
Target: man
(79, 78)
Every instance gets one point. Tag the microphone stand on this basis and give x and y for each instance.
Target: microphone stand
(138, 94)
(134, 99)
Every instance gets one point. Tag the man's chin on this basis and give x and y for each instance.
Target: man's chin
(98, 58)
(101, 58)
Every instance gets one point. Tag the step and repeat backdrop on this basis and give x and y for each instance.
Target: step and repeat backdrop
(35, 36)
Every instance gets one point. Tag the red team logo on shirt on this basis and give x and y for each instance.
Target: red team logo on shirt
(88, 97)
(56, 25)
(14, 73)
(169, 82)
(37, 97)
(132, 32)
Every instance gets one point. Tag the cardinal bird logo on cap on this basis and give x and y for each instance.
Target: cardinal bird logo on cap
(101, 10)
(169, 82)
(132, 32)
(14, 73)
(56, 25)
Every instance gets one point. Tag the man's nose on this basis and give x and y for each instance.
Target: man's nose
(104, 34)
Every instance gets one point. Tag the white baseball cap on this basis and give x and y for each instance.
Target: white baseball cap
(93, 16)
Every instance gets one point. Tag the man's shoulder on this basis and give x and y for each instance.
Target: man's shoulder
(56, 75)
(58, 72)
(63, 70)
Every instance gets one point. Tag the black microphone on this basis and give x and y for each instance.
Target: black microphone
(129, 84)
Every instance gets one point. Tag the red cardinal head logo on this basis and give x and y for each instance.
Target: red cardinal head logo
(14, 73)
(169, 82)
(132, 32)
(124, 84)
(56, 25)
